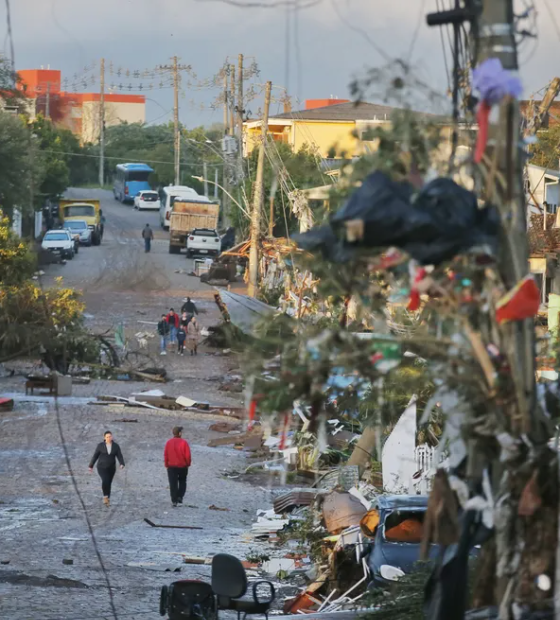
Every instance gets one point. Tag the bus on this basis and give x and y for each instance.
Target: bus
(131, 179)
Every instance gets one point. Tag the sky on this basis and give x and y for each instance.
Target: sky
(314, 52)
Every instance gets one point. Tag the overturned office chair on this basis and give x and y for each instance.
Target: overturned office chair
(188, 600)
(229, 583)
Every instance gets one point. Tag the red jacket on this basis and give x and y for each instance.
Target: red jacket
(173, 320)
(177, 453)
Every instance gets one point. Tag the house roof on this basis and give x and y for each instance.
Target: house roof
(541, 241)
(360, 111)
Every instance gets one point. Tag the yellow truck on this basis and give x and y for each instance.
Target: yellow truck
(189, 215)
(87, 210)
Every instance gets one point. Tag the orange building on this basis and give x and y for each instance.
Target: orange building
(79, 112)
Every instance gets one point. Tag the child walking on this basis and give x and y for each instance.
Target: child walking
(181, 337)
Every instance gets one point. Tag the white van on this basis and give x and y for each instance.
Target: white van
(167, 198)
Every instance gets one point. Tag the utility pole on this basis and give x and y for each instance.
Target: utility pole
(226, 101)
(258, 201)
(240, 100)
(232, 122)
(176, 122)
(48, 102)
(205, 174)
(176, 69)
(216, 183)
(102, 124)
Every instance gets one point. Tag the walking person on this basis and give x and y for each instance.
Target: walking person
(147, 235)
(101, 223)
(163, 331)
(177, 460)
(181, 337)
(193, 331)
(185, 318)
(189, 308)
(173, 320)
(106, 455)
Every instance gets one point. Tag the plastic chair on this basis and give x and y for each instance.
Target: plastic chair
(188, 600)
(229, 583)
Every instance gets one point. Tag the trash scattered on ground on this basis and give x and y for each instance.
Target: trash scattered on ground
(217, 508)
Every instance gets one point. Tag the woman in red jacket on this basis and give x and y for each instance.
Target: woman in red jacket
(177, 460)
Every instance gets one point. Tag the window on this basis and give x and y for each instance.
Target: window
(74, 210)
(149, 196)
(137, 175)
(404, 526)
(204, 232)
(61, 236)
(75, 225)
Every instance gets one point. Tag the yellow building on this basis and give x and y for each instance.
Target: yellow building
(335, 128)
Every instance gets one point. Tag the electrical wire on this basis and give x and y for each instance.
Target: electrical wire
(416, 31)
(552, 18)
(299, 78)
(48, 316)
(265, 5)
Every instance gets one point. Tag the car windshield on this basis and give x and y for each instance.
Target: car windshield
(404, 526)
(83, 210)
(76, 225)
(149, 196)
(56, 236)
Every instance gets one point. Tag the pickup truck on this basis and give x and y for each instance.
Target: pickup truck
(88, 210)
(203, 241)
(190, 214)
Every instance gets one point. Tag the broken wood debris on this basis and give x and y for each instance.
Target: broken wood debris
(172, 527)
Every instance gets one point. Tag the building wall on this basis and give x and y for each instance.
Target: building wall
(115, 113)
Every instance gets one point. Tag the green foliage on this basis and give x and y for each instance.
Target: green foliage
(546, 151)
(303, 170)
(20, 164)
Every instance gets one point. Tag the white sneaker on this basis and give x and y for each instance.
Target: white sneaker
(163, 353)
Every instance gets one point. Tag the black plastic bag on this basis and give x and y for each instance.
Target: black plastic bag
(442, 222)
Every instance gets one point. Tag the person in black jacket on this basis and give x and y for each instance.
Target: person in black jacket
(189, 307)
(106, 455)
(163, 331)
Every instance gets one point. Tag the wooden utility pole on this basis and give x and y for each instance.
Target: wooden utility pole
(176, 69)
(240, 101)
(258, 201)
(205, 173)
(226, 102)
(102, 124)
(176, 130)
(48, 102)
(497, 40)
(232, 122)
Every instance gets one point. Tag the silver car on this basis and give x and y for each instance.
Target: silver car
(80, 228)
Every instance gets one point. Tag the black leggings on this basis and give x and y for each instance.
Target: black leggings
(106, 474)
(177, 482)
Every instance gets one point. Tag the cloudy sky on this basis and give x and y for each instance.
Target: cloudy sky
(315, 52)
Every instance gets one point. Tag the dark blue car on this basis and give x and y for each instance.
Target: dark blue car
(397, 538)
(396, 546)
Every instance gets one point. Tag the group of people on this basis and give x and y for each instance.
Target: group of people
(182, 330)
(176, 458)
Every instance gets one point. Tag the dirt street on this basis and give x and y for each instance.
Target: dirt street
(49, 568)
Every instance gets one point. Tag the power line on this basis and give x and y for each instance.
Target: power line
(265, 5)
(416, 31)
(552, 17)
(48, 314)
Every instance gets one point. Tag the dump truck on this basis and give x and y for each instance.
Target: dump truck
(187, 215)
(78, 209)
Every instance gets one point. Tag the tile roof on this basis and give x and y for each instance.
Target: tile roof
(541, 241)
(351, 111)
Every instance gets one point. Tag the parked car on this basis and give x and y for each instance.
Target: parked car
(147, 199)
(203, 241)
(81, 230)
(397, 538)
(59, 242)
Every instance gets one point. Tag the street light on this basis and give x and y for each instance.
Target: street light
(203, 180)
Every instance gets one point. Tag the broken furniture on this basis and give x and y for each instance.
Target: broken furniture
(40, 383)
(188, 599)
(196, 599)
(229, 583)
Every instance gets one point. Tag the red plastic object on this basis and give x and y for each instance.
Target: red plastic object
(482, 118)
(522, 302)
